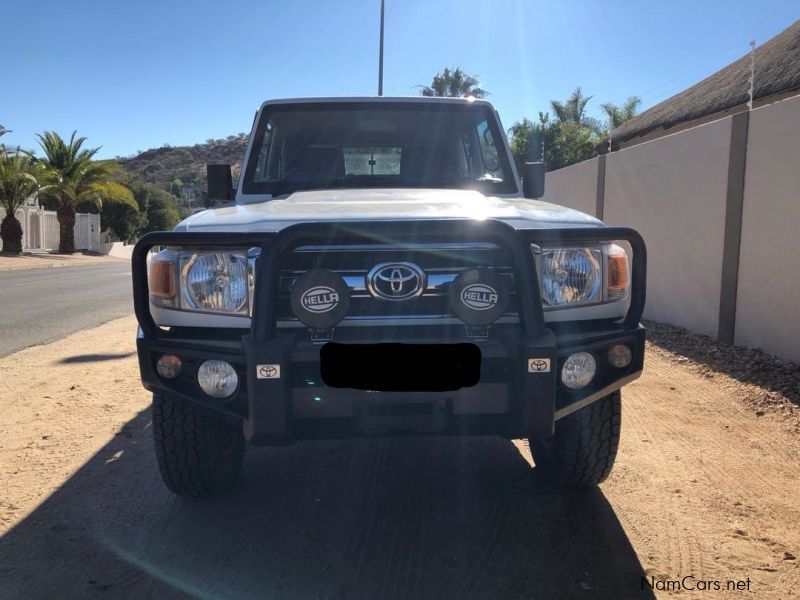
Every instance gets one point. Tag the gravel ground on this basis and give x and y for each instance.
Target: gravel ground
(702, 487)
(760, 379)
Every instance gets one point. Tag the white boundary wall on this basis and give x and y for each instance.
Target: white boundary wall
(40, 229)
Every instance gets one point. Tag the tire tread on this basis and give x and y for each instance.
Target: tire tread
(186, 449)
(585, 445)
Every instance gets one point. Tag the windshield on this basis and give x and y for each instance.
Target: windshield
(371, 145)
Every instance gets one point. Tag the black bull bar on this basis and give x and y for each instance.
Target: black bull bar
(263, 345)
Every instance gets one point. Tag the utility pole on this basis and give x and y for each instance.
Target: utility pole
(380, 57)
(752, 72)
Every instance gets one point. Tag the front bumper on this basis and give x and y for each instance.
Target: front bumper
(510, 398)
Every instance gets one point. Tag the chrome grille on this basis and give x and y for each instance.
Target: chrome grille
(442, 263)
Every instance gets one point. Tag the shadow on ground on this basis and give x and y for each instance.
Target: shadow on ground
(87, 358)
(394, 518)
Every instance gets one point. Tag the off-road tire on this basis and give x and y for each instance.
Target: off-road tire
(198, 455)
(581, 453)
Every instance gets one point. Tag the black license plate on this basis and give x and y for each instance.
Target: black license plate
(401, 367)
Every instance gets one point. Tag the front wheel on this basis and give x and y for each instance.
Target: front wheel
(581, 453)
(198, 455)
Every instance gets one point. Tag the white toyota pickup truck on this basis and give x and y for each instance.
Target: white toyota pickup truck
(381, 271)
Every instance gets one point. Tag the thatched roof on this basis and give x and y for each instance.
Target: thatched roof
(777, 70)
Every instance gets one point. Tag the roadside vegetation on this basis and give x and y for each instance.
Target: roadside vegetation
(181, 170)
(67, 179)
(571, 135)
(18, 181)
(71, 179)
(453, 84)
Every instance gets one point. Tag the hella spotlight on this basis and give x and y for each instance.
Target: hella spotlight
(319, 299)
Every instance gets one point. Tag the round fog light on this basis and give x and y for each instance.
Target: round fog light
(217, 378)
(578, 370)
(169, 366)
(620, 356)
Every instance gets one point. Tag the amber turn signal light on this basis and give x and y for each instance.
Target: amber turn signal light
(162, 279)
(618, 276)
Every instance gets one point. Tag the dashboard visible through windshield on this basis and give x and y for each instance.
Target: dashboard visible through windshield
(377, 145)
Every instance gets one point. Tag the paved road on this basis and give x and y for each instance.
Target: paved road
(41, 305)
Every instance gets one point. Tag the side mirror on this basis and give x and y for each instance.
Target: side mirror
(220, 182)
(533, 180)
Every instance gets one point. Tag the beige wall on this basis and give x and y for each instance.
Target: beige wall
(574, 186)
(768, 300)
(673, 191)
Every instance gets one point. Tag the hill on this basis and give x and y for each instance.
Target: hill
(162, 166)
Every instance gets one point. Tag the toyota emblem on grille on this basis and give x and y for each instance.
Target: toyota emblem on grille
(396, 281)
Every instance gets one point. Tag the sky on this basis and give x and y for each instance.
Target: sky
(137, 74)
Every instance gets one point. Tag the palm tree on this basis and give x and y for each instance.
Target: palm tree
(454, 84)
(17, 183)
(3, 131)
(617, 115)
(72, 178)
(573, 110)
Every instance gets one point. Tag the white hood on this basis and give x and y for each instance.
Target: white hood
(385, 205)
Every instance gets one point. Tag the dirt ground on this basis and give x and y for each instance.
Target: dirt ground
(706, 485)
(10, 262)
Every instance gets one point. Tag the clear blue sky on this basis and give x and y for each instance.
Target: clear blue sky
(137, 74)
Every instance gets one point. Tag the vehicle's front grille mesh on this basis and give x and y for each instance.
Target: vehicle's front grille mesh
(440, 262)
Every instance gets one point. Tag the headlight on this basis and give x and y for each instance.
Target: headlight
(203, 281)
(578, 276)
(215, 283)
(571, 276)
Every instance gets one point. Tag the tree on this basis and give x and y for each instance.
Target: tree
(3, 131)
(17, 182)
(162, 210)
(558, 144)
(72, 178)
(454, 84)
(158, 209)
(175, 187)
(526, 141)
(124, 221)
(571, 143)
(573, 110)
(571, 137)
(617, 115)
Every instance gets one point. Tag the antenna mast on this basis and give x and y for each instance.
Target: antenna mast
(380, 57)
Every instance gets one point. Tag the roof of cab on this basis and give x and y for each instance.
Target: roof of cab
(377, 99)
